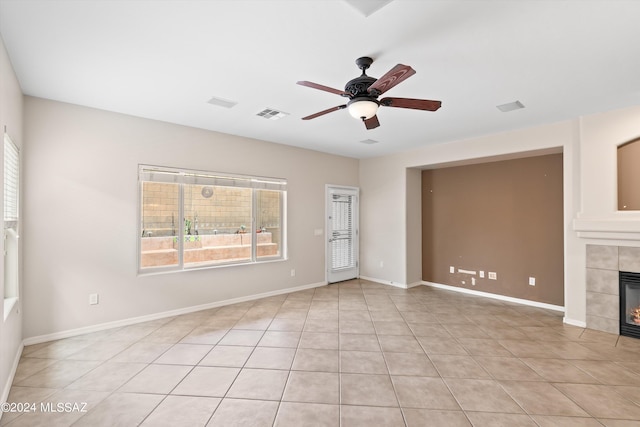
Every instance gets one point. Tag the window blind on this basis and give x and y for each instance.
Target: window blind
(11, 181)
(342, 254)
(178, 176)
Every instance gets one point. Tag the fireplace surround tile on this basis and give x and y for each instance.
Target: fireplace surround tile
(629, 259)
(602, 257)
(603, 324)
(602, 281)
(603, 305)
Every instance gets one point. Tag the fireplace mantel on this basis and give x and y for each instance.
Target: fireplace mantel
(626, 226)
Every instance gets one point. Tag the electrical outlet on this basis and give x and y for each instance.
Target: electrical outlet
(381, 264)
(452, 269)
(532, 281)
(481, 274)
(293, 272)
(93, 299)
(493, 275)
(473, 281)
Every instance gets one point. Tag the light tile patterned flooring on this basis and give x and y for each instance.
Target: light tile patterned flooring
(349, 354)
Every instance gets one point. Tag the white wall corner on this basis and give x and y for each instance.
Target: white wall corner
(573, 322)
(413, 226)
(386, 282)
(414, 284)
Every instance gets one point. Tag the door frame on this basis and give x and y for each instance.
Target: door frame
(327, 213)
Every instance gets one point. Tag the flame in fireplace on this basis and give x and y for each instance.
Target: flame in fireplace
(635, 315)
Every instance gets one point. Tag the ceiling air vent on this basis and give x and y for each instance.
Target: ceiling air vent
(271, 114)
(515, 105)
(369, 141)
(221, 102)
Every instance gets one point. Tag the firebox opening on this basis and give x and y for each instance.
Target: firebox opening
(630, 304)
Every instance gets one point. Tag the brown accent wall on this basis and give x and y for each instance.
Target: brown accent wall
(629, 176)
(504, 217)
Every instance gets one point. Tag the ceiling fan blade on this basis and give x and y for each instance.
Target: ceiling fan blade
(395, 76)
(322, 113)
(372, 122)
(415, 104)
(321, 87)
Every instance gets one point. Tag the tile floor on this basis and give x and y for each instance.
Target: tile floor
(350, 354)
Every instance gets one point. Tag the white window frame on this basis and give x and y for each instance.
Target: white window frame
(171, 175)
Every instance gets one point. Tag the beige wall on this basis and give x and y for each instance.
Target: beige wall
(11, 120)
(505, 217)
(81, 214)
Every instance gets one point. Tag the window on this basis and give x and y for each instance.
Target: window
(195, 219)
(11, 192)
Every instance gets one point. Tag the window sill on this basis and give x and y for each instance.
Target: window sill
(207, 267)
(9, 303)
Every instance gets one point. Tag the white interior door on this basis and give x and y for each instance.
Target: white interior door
(342, 233)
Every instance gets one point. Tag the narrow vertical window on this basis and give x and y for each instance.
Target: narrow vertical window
(269, 223)
(11, 203)
(196, 219)
(160, 223)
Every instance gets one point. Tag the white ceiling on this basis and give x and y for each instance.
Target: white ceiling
(164, 60)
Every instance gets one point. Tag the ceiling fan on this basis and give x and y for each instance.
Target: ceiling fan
(363, 93)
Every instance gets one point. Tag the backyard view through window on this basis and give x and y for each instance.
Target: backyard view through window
(198, 219)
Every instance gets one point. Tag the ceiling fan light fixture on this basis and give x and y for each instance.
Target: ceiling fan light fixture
(363, 108)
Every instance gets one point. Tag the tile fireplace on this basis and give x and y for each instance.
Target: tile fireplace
(604, 306)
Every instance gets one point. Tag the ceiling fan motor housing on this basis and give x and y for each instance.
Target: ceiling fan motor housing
(358, 92)
(358, 87)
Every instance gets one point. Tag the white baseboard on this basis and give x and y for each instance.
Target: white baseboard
(495, 296)
(385, 282)
(134, 320)
(574, 322)
(12, 374)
